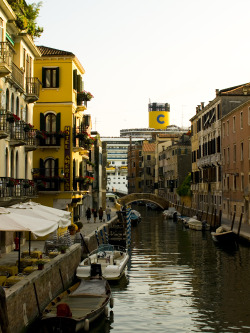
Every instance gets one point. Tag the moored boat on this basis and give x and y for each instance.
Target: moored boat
(113, 261)
(135, 217)
(226, 238)
(78, 306)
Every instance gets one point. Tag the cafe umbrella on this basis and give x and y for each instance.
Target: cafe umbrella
(33, 211)
(51, 210)
(17, 223)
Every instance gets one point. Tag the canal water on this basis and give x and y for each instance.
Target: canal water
(178, 280)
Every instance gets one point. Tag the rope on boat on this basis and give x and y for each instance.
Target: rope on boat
(106, 234)
(128, 218)
(103, 242)
(97, 238)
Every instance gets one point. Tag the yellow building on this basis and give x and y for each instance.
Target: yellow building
(62, 162)
(158, 114)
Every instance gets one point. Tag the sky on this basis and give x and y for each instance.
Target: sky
(139, 51)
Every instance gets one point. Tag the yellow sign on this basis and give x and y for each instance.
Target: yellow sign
(158, 119)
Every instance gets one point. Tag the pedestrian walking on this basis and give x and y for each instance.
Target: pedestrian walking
(100, 212)
(95, 214)
(108, 212)
(88, 214)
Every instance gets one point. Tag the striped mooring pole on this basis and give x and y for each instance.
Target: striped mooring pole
(106, 234)
(103, 242)
(128, 218)
(97, 238)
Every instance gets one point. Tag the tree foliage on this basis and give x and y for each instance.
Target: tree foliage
(26, 16)
(185, 188)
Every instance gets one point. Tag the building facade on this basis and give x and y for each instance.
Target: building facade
(63, 167)
(206, 146)
(235, 148)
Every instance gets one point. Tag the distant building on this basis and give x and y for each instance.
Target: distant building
(117, 167)
(151, 133)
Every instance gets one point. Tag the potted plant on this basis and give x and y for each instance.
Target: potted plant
(40, 264)
(63, 248)
(27, 127)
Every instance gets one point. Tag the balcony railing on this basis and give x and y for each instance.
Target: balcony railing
(17, 77)
(32, 89)
(11, 187)
(81, 139)
(6, 55)
(47, 179)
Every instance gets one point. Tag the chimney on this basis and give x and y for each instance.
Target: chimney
(217, 92)
(202, 105)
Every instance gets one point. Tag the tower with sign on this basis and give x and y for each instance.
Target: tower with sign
(158, 114)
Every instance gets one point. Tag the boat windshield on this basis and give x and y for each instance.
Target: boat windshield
(105, 247)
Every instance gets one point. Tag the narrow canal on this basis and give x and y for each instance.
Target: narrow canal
(179, 281)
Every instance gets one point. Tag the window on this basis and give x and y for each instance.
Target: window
(241, 151)
(227, 127)
(50, 77)
(228, 155)
(1, 30)
(234, 124)
(241, 120)
(235, 183)
(223, 130)
(242, 182)
(148, 157)
(249, 116)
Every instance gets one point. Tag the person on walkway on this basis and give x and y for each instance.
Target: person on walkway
(95, 214)
(88, 214)
(100, 212)
(108, 212)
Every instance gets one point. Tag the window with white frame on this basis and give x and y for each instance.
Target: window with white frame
(241, 120)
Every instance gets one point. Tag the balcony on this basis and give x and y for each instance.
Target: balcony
(16, 188)
(6, 55)
(16, 78)
(17, 133)
(4, 125)
(30, 140)
(81, 139)
(32, 89)
(49, 139)
(47, 180)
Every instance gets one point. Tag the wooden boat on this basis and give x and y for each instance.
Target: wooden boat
(195, 224)
(77, 307)
(113, 261)
(228, 238)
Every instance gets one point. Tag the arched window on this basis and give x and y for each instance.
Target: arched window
(6, 162)
(17, 107)
(12, 103)
(7, 101)
(17, 168)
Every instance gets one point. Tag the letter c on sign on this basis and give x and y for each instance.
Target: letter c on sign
(158, 119)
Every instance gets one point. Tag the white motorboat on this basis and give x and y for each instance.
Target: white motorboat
(169, 213)
(113, 261)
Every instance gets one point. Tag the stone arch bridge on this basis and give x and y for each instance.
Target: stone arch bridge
(127, 199)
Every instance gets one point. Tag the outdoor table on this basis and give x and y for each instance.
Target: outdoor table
(12, 270)
(33, 254)
(12, 280)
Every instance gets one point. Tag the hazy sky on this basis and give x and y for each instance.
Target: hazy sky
(164, 51)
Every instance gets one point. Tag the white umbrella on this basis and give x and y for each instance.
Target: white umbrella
(35, 212)
(15, 222)
(51, 210)
(40, 227)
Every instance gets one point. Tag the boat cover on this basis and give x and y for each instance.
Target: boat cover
(91, 287)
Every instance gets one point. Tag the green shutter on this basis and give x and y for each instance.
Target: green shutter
(44, 77)
(75, 79)
(42, 122)
(58, 127)
(56, 166)
(42, 167)
(58, 122)
(57, 77)
(79, 79)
